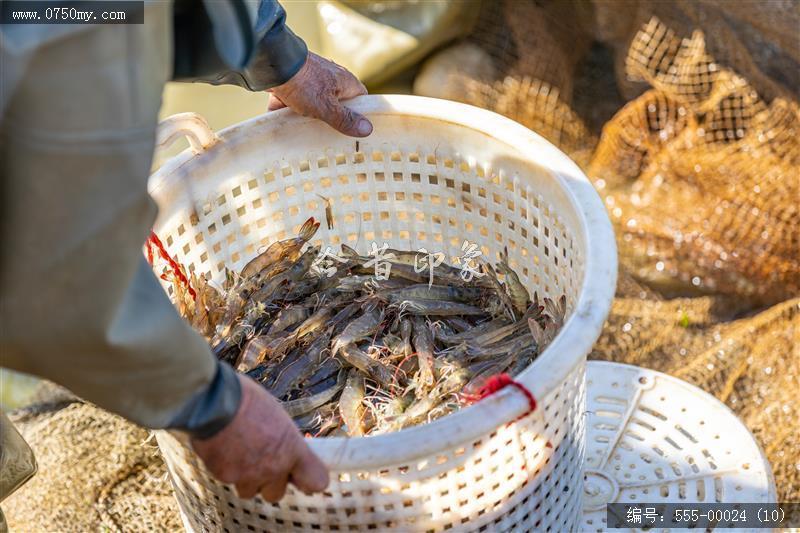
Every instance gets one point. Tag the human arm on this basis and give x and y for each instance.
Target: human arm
(78, 303)
(279, 63)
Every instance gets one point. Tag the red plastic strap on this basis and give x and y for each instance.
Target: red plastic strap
(176, 268)
(498, 382)
(149, 252)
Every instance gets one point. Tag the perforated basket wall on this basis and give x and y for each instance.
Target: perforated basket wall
(432, 175)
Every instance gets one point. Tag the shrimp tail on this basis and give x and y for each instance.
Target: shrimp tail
(349, 252)
(308, 229)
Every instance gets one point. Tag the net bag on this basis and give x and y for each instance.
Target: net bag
(433, 175)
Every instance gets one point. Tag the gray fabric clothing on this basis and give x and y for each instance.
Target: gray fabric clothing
(211, 408)
(252, 46)
(236, 42)
(79, 305)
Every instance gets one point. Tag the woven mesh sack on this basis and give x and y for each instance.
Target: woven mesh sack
(699, 173)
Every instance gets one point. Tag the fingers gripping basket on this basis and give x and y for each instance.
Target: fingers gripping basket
(433, 174)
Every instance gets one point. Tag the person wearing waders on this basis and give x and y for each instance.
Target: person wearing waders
(79, 305)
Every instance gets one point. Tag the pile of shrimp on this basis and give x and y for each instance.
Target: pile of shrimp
(349, 354)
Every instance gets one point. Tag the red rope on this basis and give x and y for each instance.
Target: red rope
(498, 382)
(149, 252)
(176, 268)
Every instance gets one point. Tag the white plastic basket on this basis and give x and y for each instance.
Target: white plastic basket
(652, 438)
(433, 174)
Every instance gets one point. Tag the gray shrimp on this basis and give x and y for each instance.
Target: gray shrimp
(302, 406)
(418, 306)
(435, 292)
(491, 278)
(288, 317)
(374, 368)
(281, 249)
(360, 328)
(301, 368)
(516, 290)
(351, 403)
(423, 345)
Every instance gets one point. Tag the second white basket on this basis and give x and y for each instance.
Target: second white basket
(654, 439)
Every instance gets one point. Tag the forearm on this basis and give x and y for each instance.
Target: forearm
(278, 54)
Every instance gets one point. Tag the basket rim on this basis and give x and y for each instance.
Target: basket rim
(552, 367)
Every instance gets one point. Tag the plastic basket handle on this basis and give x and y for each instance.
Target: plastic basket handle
(190, 125)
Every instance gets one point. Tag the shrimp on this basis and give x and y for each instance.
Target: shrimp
(208, 300)
(543, 336)
(523, 359)
(288, 317)
(281, 249)
(471, 333)
(252, 354)
(244, 328)
(330, 424)
(375, 369)
(257, 350)
(308, 327)
(556, 310)
(496, 335)
(302, 289)
(326, 369)
(302, 406)
(361, 283)
(491, 276)
(294, 273)
(419, 410)
(328, 211)
(351, 406)
(483, 369)
(360, 328)
(423, 345)
(418, 306)
(349, 354)
(302, 367)
(412, 258)
(459, 324)
(316, 422)
(516, 290)
(415, 413)
(314, 322)
(346, 312)
(514, 345)
(406, 330)
(241, 293)
(435, 292)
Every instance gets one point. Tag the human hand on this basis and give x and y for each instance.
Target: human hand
(315, 91)
(261, 450)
